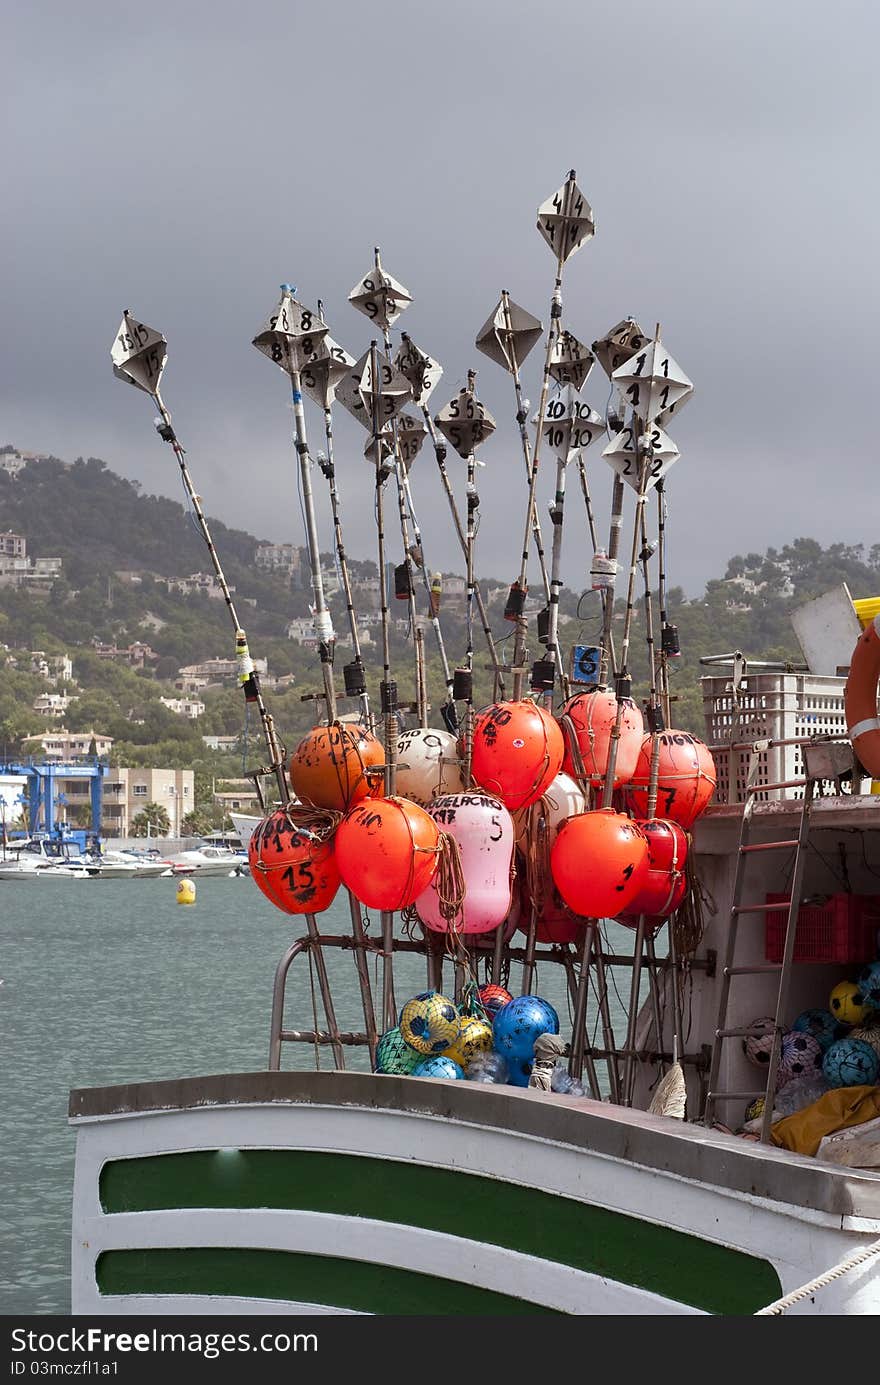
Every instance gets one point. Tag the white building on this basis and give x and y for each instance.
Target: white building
(67, 746)
(189, 707)
(204, 582)
(127, 791)
(52, 704)
(221, 742)
(302, 631)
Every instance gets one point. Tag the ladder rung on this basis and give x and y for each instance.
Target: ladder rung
(736, 1096)
(734, 1033)
(761, 908)
(768, 846)
(756, 970)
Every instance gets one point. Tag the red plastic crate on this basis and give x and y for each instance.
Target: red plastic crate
(844, 929)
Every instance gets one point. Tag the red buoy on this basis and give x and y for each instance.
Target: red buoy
(518, 750)
(555, 923)
(598, 862)
(294, 868)
(387, 850)
(593, 715)
(328, 767)
(685, 780)
(665, 882)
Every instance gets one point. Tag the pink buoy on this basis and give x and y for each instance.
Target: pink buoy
(483, 829)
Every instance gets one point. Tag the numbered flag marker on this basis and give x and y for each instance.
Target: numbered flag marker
(291, 337)
(620, 454)
(320, 376)
(138, 354)
(566, 220)
(569, 425)
(380, 297)
(420, 369)
(586, 660)
(411, 433)
(651, 382)
(358, 393)
(465, 423)
(507, 337)
(570, 361)
(618, 345)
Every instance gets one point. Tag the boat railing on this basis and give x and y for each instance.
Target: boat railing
(591, 962)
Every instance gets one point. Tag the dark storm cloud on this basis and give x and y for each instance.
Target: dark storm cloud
(182, 160)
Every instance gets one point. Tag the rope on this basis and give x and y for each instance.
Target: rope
(688, 921)
(779, 1306)
(449, 880)
(316, 825)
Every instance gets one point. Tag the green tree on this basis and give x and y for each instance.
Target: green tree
(154, 816)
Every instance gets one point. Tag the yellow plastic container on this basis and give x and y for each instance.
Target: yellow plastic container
(867, 609)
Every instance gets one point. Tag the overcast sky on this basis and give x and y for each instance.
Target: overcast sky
(184, 159)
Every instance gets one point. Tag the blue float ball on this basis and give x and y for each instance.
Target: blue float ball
(822, 1025)
(851, 1063)
(517, 1026)
(520, 1072)
(438, 1067)
(869, 984)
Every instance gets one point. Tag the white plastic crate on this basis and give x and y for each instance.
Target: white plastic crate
(769, 706)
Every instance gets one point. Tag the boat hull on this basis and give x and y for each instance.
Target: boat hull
(353, 1193)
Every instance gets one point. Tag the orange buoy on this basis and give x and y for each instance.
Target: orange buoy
(387, 850)
(593, 716)
(328, 767)
(685, 780)
(294, 863)
(665, 883)
(860, 699)
(518, 750)
(598, 862)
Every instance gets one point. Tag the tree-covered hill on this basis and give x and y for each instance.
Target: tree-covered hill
(101, 524)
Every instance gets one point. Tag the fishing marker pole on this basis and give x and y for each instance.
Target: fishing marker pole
(466, 424)
(290, 337)
(423, 374)
(138, 354)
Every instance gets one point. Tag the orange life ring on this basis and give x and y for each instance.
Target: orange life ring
(860, 699)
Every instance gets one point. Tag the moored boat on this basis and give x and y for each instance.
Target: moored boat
(499, 1157)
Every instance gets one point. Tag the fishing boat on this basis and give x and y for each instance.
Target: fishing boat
(721, 1155)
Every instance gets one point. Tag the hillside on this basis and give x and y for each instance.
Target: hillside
(104, 528)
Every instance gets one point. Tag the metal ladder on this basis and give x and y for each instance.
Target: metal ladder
(730, 971)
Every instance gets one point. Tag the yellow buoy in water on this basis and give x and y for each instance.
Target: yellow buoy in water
(186, 891)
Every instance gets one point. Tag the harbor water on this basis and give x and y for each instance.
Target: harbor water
(113, 981)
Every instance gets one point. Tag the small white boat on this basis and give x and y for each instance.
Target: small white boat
(37, 859)
(127, 865)
(209, 860)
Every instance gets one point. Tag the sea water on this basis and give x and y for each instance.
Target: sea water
(109, 981)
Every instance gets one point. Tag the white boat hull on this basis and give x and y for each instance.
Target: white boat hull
(346, 1192)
